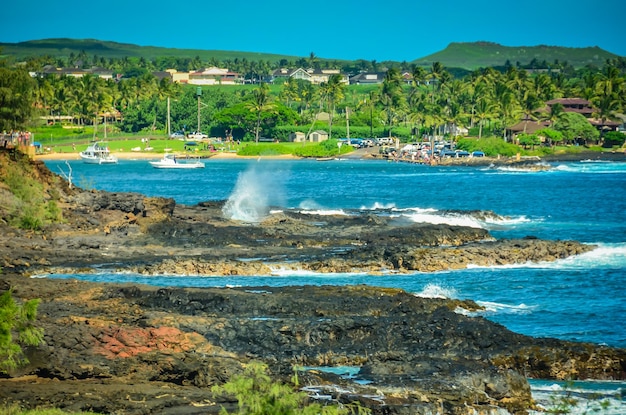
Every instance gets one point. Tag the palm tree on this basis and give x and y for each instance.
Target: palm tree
(333, 91)
(391, 96)
(261, 103)
(606, 104)
(418, 103)
(530, 103)
(435, 74)
(289, 91)
(419, 76)
(485, 109)
(44, 95)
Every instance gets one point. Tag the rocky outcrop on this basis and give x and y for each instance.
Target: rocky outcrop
(137, 350)
(141, 349)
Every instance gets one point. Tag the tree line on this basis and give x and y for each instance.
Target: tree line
(431, 102)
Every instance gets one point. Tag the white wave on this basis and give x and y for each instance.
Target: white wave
(530, 168)
(436, 291)
(290, 272)
(507, 220)
(602, 397)
(445, 219)
(325, 212)
(436, 217)
(612, 256)
(379, 206)
(500, 308)
(593, 167)
(311, 207)
(565, 167)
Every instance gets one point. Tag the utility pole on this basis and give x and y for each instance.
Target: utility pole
(169, 127)
(198, 94)
(348, 123)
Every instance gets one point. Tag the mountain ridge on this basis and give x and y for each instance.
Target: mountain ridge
(473, 55)
(465, 55)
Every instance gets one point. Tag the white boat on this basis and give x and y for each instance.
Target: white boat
(169, 161)
(97, 153)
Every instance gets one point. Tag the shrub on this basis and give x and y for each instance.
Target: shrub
(16, 319)
(491, 146)
(614, 138)
(257, 394)
(326, 148)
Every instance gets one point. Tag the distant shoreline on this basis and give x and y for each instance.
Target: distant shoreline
(128, 155)
(586, 155)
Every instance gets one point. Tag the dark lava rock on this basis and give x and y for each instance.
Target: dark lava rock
(136, 349)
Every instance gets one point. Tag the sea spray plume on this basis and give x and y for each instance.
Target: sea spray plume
(256, 189)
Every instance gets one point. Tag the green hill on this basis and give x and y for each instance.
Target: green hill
(467, 56)
(484, 54)
(107, 49)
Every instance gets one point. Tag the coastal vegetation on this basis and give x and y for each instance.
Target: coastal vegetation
(432, 101)
(17, 329)
(257, 394)
(27, 205)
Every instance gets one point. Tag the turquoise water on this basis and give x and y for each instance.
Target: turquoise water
(580, 299)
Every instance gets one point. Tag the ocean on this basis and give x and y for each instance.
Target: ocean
(580, 299)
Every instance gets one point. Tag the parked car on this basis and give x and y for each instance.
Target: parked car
(197, 135)
(385, 141)
(447, 153)
(178, 135)
(356, 142)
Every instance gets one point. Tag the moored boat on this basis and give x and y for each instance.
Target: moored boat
(169, 161)
(97, 153)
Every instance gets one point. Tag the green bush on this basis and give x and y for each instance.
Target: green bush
(264, 149)
(491, 146)
(16, 319)
(257, 394)
(614, 138)
(29, 209)
(326, 148)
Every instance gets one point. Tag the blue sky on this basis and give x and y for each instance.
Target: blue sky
(340, 29)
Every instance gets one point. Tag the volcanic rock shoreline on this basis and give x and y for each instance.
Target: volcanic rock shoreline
(125, 348)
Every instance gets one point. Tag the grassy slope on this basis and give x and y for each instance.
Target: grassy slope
(484, 54)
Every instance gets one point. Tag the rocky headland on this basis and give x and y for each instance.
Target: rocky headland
(125, 348)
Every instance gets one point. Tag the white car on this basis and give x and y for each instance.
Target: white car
(197, 135)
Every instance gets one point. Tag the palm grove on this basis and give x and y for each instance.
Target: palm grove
(485, 101)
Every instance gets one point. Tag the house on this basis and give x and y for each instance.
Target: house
(214, 76)
(315, 76)
(584, 107)
(101, 72)
(407, 77)
(160, 75)
(320, 76)
(178, 77)
(368, 78)
(579, 105)
(318, 136)
(297, 137)
(283, 74)
(74, 72)
(528, 127)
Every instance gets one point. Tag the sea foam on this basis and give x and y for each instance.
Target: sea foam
(256, 189)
